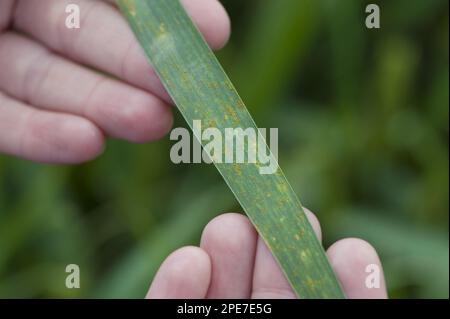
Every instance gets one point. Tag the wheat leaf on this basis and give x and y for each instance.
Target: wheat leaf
(202, 91)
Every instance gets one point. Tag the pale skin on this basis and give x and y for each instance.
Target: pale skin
(233, 262)
(63, 92)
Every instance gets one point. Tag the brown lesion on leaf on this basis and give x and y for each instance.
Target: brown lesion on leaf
(211, 123)
(213, 85)
(311, 283)
(185, 78)
(231, 113)
(237, 169)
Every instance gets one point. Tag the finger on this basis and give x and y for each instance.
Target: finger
(358, 269)
(44, 136)
(269, 281)
(230, 241)
(32, 74)
(6, 7)
(185, 274)
(112, 2)
(105, 41)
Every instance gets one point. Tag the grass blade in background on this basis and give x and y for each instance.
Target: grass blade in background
(290, 26)
(202, 91)
(143, 261)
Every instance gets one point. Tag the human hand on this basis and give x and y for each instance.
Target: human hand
(233, 262)
(54, 107)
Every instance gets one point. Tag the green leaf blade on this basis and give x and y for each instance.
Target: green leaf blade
(202, 91)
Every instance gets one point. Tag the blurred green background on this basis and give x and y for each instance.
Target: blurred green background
(363, 124)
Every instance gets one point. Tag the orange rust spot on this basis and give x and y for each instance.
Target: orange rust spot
(213, 85)
(232, 113)
(237, 169)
